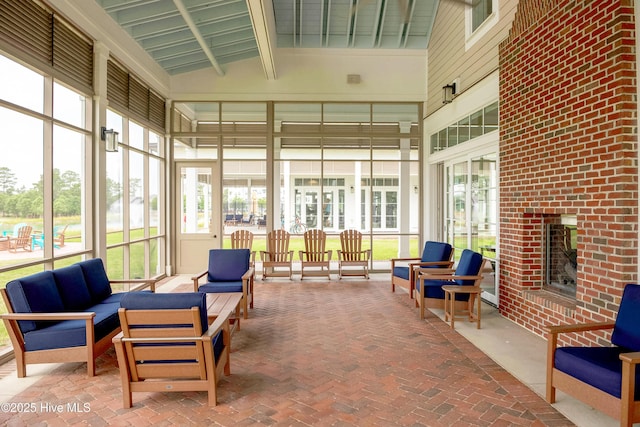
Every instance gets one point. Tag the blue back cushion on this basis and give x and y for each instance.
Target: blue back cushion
(72, 287)
(626, 333)
(436, 251)
(96, 278)
(469, 265)
(226, 265)
(37, 293)
(152, 301)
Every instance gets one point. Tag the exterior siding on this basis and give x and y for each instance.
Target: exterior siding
(448, 59)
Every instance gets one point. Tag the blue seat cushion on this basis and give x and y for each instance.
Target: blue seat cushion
(153, 301)
(434, 290)
(599, 367)
(72, 287)
(71, 333)
(139, 300)
(218, 345)
(36, 293)
(221, 287)
(117, 297)
(96, 278)
(401, 272)
(436, 251)
(227, 265)
(469, 265)
(625, 333)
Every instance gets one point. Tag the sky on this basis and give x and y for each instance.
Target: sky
(22, 135)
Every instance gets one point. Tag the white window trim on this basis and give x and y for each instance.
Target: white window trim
(472, 37)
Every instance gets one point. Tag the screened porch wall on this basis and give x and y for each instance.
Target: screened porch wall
(330, 166)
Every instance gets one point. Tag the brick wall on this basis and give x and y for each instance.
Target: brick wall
(568, 145)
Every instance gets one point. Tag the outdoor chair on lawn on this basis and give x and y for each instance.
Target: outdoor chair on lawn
(22, 240)
(604, 377)
(167, 345)
(434, 254)
(229, 271)
(58, 235)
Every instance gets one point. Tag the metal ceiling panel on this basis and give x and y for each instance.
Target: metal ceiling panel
(187, 35)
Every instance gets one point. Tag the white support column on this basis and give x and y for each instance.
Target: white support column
(273, 217)
(404, 193)
(98, 238)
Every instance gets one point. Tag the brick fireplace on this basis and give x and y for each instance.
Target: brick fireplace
(568, 147)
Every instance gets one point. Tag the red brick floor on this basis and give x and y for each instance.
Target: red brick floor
(341, 353)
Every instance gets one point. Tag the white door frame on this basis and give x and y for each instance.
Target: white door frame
(198, 227)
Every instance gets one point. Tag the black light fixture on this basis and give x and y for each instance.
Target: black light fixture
(110, 138)
(448, 92)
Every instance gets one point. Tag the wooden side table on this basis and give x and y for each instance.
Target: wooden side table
(450, 292)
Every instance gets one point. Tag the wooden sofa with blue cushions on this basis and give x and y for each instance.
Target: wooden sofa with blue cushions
(69, 314)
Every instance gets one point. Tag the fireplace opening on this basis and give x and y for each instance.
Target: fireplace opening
(562, 254)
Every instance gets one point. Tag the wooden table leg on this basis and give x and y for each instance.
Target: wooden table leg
(449, 307)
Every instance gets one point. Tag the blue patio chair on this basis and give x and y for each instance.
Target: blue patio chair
(429, 283)
(434, 254)
(603, 377)
(229, 271)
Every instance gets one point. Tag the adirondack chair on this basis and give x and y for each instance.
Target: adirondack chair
(243, 239)
(352, 255)
(58, 236)
(22, 240)
(315, 256)
(277, 259)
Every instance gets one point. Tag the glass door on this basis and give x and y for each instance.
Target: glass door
(198, 214)
(471, 215)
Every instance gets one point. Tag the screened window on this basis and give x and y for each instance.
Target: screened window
(45, 177)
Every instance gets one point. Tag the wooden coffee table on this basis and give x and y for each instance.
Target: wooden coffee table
(223, 303)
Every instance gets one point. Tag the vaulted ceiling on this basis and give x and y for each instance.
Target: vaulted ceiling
(188, 35)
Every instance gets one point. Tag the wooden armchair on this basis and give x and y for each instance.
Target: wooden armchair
(315, 255)
(434, 254)
(429, 293)
(277, 255)
(352, 255)
(229, 270)
(167, 345)
(602, 377)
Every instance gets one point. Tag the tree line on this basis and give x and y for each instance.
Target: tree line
(26, 202)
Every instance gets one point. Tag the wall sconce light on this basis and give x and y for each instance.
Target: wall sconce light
(353, 190)
(415, 189)
(448, 92)
(110, 138)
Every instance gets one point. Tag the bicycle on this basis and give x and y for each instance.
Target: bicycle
(297, 227)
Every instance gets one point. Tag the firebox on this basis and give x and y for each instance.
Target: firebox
(561, 254)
